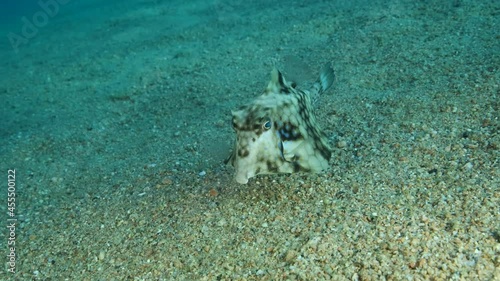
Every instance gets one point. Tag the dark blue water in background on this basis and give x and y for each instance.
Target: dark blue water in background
(12, 10)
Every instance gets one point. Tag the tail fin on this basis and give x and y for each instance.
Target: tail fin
(325, 81)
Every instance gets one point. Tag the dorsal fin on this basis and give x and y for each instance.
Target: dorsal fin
(278, 83)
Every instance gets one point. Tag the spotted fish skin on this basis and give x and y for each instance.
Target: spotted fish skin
(278, 132)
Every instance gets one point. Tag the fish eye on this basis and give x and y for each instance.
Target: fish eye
(267, 125)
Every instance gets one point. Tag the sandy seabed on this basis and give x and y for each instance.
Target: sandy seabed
(116, 118)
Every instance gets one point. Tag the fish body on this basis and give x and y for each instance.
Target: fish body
(278, 132)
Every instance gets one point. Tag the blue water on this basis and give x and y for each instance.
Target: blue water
(13, 10)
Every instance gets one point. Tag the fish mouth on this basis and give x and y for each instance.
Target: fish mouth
(241, 180)
(242, 177)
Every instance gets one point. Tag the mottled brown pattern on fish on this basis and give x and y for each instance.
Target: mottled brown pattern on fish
(278, 133)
